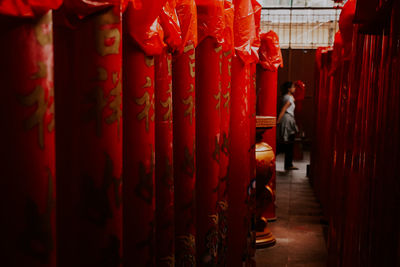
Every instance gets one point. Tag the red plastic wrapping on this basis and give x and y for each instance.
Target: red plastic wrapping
(183, 102)
(165, 245)
(224, 155)
(187, 15)
(239, 178)
(245, 33)
(28, 8)
(229, 13)
(138, 164)
(270, 52)
(84, 8)
(27, 190)
(208, 128)
(210, 19)
(89, 147)
(170, 24)
(142, 24)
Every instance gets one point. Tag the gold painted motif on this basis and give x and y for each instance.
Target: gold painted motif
(44, 30)
(218, 98)
(227, 96)
(115, 104)
(42, 71)
(148, 82)
(229, 67)
(145, 187)
(188, 164)
(227, 53)
(96, 97)
(190, 103)
(145, 113)
(108, 39)
(149, 61)
(169, 261)
(102, 74)
(225, 144)
(168, 105)
(37, 118)
(218, 49)
(169, 64)
(50, 126)
(217, 150)
(192, 56)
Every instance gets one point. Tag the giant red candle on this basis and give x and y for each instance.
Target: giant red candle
(28, 148)
(89, 147)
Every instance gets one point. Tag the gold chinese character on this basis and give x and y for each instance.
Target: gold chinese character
(37, 118)
(229, 67)
(96, 97)
(43, 30)
(217, 150)
(145, 187)
(42, 71)
(108, 39)
(169, 64)
(144, 100)
(115, 104)
(148, 82)
(192, 57)
(218, 98)
(227, 96)
(167, 104)
(189, 111)
(149, 61)
(218, 49)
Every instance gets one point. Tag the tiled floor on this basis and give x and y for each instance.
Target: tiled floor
(298, 229)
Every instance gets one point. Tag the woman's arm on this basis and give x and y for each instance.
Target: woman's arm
(283, 110)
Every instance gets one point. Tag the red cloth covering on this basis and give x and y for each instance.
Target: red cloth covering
(270, 52)
(187, 15)
(142, 25)
(170, 24)
(210, 19)
(245, 32)
(28, 8)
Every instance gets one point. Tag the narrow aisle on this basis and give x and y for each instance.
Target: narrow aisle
(298, 230)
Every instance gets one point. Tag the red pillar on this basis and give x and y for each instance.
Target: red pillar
(183, 99)
(208, 115)
(164, 176)
(89, 146)
(28, 154)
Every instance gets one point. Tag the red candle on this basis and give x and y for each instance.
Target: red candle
(89, 146)
(164, 161)
(28, 161)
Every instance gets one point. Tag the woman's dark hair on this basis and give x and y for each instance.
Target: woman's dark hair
(285, 87)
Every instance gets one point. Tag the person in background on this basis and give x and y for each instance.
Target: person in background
(287, 127)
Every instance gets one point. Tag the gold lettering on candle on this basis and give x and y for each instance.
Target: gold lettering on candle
(218, 98)
(43, 30)
(42, 71)
(148, 82)
(149, 61)
(227, 96)
(115, 104)
(144, 189)
(108, 36)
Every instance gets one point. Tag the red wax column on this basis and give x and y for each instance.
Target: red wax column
(28, 160)
(224, 156)
(239, 180)
(208, 119)
(139, 161)
(164, 161)
(183, 99)
(267, 86)
(89, 147)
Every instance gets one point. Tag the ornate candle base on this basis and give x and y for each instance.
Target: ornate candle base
(265, 166)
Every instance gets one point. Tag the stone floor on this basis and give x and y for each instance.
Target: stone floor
(298, 230)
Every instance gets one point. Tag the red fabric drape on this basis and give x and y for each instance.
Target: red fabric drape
(28, 149)
(89, 147)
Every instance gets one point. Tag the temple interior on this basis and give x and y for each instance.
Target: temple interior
(233, 133)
